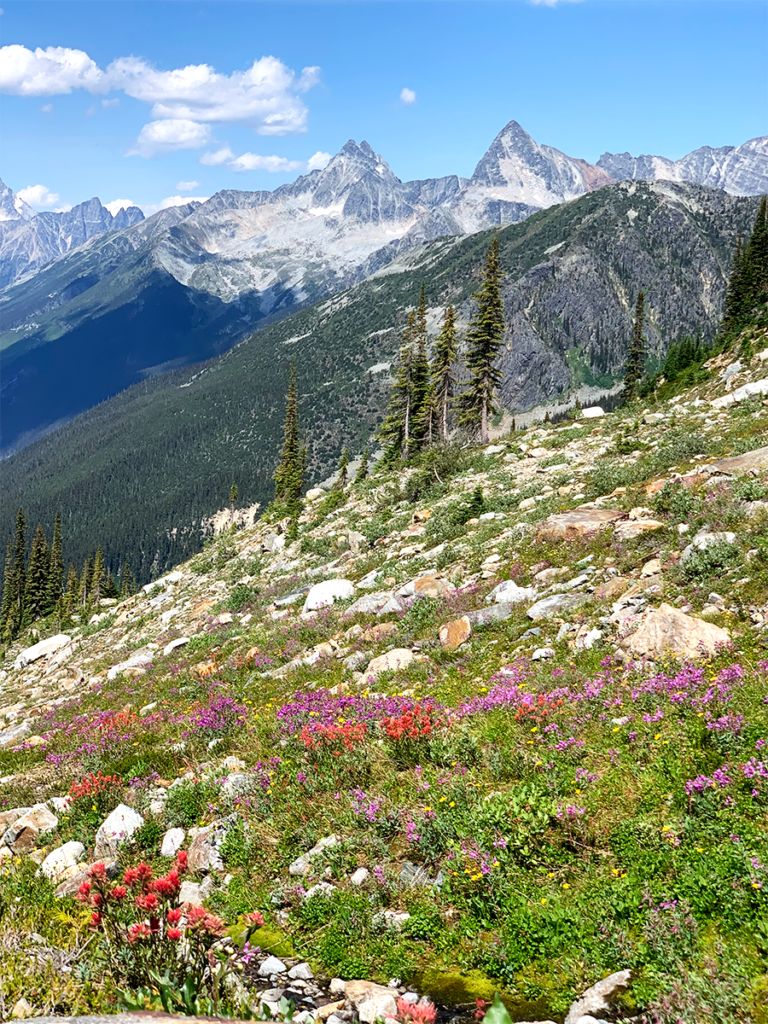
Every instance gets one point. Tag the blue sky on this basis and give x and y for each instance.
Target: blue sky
(104, 114)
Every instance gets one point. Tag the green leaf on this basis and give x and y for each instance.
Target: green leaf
(497, 1012)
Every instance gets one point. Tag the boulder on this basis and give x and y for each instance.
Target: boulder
(115, 829)
(15, 734)
(371, 1001)
(302, 865)
(62, 862)
(315, 494)
(323, 595)
(612, 588)
(203, 854)
(72, 882)
(595, 412)
(496, 613)
(380, 631)
(8, 817)
(172, 842)
(579, 522)
(23, 834)
(706, 538)
(301, 972)
(554, 604)
(599, 998)
(455, 633)
(757, 387)
(293, 598)
(741, 464)
(138, 660)
(508, 592)
(395, 604)
(431, 585)
(368, 604)
(631, 530)
(360, 877)
(393, 661)
(357, 541)
(41, 650)
(668, 630)
(271, 966)
(180, 641)
(238, 784)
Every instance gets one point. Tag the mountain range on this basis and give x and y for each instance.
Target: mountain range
(95, 303)
(145, 469)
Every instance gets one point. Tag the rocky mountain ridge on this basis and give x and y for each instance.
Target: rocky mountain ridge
(446, 706)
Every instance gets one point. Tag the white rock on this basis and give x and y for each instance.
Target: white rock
(178, 642)
(392, 661)
(320, 889)
(191, 893)
(58, 863)
(138, 660)
(41, 650)
(172, 842)
(173, 577)
(526, 504)
(543, 653)
(360, 877)
(599, 997)
(508, 592)
(115, 829)
(301, 972)
(302, 864)
(315, 493)
(271, 966)
(593, 413)
(705, 538)
(322, 595)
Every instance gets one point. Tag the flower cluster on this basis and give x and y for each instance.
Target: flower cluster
(412, 725)
(333, 736)
(422, 1012)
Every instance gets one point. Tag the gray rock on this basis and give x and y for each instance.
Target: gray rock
(172, 842)
(41, 650)
(301, 866)
(115, 829)
(292, 598)
(600, 997)
(496, 613)
(706, 538)
(15, 734)
(271, 967)
(60, 862)
(395, 604)
(369, 604)
(554, 604)
(301, 972)
(238, 784)
(508, 592)
(360, 877)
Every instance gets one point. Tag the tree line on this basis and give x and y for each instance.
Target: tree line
(35, 585)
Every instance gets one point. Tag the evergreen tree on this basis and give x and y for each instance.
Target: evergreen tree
(15, 580)
(55, 567)
(128, 585)
(756, 260)
(6, 614)
(84, 593)
(70, 594)
(395, 431)
(443, 376)
(363, 468)
(36, 589)
(97, 580)
(343, 471)
(635, 365)
(477, 400)
(735, 304)
(233, 498)
(289, 475)
(422, 402)
(110, 588)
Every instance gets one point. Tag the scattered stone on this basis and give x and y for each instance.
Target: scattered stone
(173, 840)
(115, 829)
(526, 504)
(508, 592)
(612, 588)
(41, 650)
(633, 529)
(59, 863)
(495, 613)
(705, 538)
(554, 604)
(651, 568)
(271, 966)
(577, 523)
(357, 541)
(21, 1009)
(667, 629)
(393, 661)
(138, 660)
(600, 997)
(455, 633)
(15, 734)
(22, 835)
(323, 595)
(369, 604)
(180, 641)
(370, 1000)
(360, 877)
(434, 585)
(543, 653)
(302, 865)
(301, 972)
(595, 412)
(380, 632)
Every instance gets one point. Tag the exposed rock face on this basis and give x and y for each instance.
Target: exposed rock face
(577, 523)
(599, 998)
(667, 629)
(41, 650)
(393, 661)
(740, 170)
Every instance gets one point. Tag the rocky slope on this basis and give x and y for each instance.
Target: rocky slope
(30, 241)
(178, 441)
(739, 170)
(471, 741)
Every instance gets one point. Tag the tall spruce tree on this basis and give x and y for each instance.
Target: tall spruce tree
(735, 304)
(128, 584)
(6, 613)
(55, 567)
(635, 365)
(86, 577)
(73, 586)
(395, 432)
(343, 471)
(421, 412)
(15, 580)
(364, 468)
(36, 589)
(97, 580)
(443, 375)
(477, 400)
(756, 259)
(289, 475)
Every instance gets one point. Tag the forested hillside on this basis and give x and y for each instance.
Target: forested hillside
(140, 472)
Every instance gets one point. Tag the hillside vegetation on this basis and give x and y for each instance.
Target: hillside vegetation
(514, 742)
(142, 471)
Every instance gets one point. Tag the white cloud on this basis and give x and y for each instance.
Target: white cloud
(266, 96)
(49, 72)
(115, 102)
(39, 197)
(408, 96)
(186, 186)
(47, 108)
(170, 201)
(118, 204)
(91, 111)
(257, 162)
(168, 135)
(318, 161)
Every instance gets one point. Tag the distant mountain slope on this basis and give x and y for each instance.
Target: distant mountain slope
(739, 170)
(30, 241)
(140, 472)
